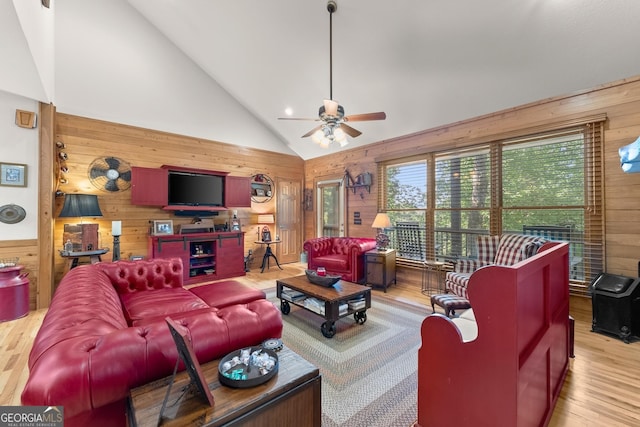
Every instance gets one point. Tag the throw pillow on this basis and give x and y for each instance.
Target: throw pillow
(486, 247)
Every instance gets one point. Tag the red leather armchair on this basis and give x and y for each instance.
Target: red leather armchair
(339, 255)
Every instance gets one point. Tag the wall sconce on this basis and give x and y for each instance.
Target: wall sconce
(381, 222)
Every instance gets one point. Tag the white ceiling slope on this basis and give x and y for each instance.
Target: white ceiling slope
(26, 49)
(424, 62)
(226, 70)
(112, 64)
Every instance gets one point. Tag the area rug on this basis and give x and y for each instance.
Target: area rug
(369, 371)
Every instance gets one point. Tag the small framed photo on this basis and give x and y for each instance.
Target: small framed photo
(260, 192)
(13, 174)
(163, 227)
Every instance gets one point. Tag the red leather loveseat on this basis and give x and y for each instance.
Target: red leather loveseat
(339, 255)
(105, 334)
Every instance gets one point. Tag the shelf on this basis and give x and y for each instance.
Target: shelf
(203, 265)
(364, 180)
(261, 188)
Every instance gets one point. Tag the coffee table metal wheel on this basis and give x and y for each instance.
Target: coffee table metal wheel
(285, 308)
(360, 317)
(328, 329)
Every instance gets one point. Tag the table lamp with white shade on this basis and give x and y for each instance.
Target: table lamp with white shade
(265, 233)
(381, 222)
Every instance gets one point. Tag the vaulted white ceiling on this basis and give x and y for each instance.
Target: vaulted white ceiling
(425, 63)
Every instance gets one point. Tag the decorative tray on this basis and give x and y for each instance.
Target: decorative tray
(326, 281)
(248, 367)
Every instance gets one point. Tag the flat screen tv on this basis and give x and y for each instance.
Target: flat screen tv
(195, 189)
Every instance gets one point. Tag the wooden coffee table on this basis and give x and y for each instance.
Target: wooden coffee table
(291, 398)
(356, 297)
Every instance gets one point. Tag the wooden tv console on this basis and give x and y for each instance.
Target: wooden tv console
(205, 256)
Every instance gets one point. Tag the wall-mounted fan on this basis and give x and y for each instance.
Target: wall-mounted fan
(333, 127)
(110, 174)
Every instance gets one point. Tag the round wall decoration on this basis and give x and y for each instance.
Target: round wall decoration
(262, 188)
(12, 214)
(110, 174)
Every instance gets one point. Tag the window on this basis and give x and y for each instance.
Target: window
(555, 198)
(406, 203)
(463, 201)
(548, 184)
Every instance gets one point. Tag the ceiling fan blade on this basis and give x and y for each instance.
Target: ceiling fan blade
(364, 117)
(299, 118)
(350, 131)
(330, 107)
(312, 131)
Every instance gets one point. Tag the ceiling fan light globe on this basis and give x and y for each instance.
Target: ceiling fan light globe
(325, 143)
(317, 136)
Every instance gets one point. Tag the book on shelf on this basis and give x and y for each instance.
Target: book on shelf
(343, 309)
(292, 295)
(357, 304)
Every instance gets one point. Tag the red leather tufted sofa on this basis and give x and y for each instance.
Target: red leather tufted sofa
(339, 255)
(105, 334)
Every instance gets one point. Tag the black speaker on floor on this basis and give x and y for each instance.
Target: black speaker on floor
(616, 305)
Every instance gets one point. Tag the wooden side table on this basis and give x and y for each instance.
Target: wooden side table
(433, 277)
(73, 258)
(380, 267)
(291, 398)
(268, 253)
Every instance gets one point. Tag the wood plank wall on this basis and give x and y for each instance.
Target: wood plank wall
(87, 139)
(620, 101)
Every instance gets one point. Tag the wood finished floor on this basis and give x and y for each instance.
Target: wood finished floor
(601, 389)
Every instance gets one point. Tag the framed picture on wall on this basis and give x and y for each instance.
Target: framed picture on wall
(162, 227)
(13, 174)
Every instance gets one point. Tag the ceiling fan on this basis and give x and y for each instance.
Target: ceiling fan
(331, 114)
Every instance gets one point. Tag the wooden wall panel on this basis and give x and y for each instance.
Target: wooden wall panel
(620, 101)
(87, 139)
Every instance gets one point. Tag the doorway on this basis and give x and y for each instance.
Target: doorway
(330, 202)
(289, 220)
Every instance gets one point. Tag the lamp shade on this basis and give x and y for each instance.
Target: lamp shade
(266, 219)
(78, 205)
(381, 221)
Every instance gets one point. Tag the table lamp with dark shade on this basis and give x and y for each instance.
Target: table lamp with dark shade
(80, 237)
(80, 205)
